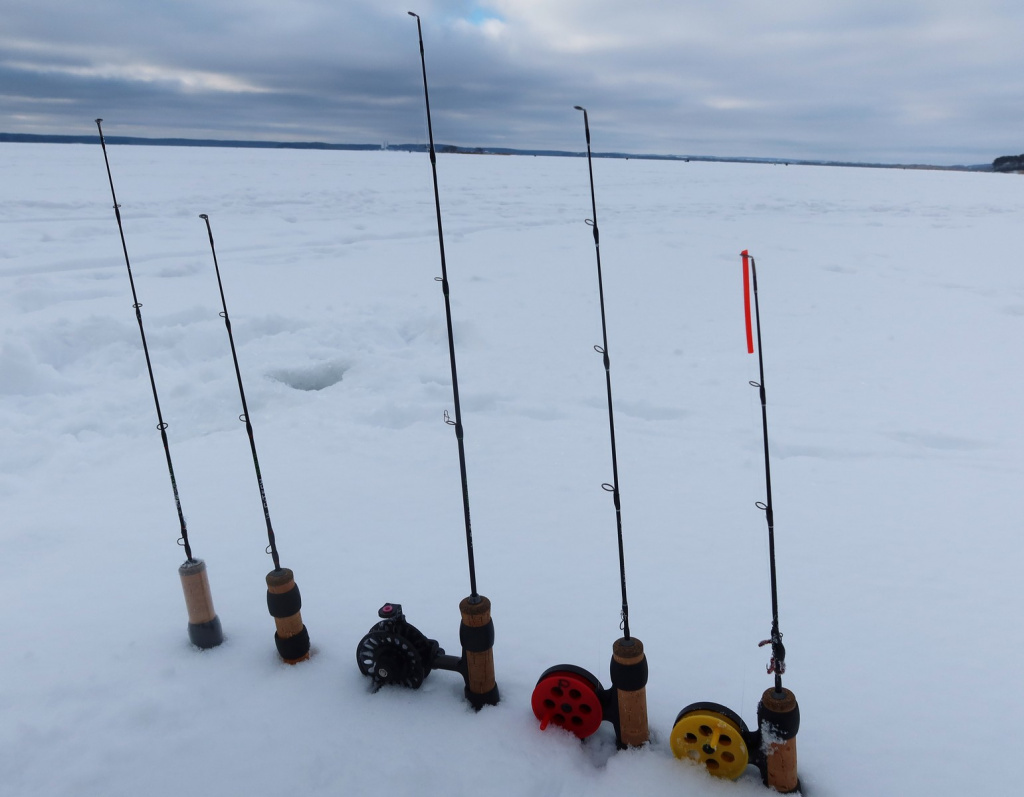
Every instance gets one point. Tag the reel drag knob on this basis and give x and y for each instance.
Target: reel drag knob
(567, 696)
(714, 736)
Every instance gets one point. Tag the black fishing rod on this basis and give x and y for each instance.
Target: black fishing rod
(473, 596)
(204, 625)
(712, 734)
(395, 651)
(272, 546)
(569, 696)
(283, 598)
(613, 488)
(778, 661)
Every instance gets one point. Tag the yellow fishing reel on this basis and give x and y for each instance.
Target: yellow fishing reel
(713, 736)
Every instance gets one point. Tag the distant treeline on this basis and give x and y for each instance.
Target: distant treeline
(33, 138)
(1008, 163)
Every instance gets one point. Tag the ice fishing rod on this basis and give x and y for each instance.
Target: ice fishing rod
(283, 599)
(204, 629)
(710, 733)
(394, 651)
(569, 696)
(777, 665)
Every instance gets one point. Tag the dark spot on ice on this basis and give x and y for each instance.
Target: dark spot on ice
(313, 377)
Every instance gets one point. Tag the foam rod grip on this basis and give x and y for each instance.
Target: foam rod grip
(204, 629)
(778, 716)
(481, 688)
(629, 679)
(284, 602)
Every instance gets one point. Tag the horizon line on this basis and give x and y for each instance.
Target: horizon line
(43, 138)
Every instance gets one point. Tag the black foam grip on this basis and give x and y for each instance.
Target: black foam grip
(477, 639)
(206, 635)
(781, 724)
(294, 647)
(629, 677)
(284, 604)
(486, 699)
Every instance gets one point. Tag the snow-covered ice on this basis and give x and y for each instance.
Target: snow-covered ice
(892, 310)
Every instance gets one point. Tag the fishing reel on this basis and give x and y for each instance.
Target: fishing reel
(717, 738)
(572, 698)
(396, 652)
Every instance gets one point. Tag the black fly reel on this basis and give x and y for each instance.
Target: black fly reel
(396, 652)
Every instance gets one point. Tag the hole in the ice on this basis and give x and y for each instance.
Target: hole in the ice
(313, 377)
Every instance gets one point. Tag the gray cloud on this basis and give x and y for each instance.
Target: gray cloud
(918, 80)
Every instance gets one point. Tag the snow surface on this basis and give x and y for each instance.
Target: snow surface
(893, 307)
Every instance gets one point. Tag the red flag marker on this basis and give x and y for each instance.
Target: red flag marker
(746, 300)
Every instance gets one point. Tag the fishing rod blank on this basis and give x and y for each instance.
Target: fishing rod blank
(394, 651)
(710, 733)
(569, 696)
(204, 629)
(283, 599)
(778, 708)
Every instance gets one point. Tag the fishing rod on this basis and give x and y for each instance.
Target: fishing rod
(204, 629)
(710, 733)
(777, 665)
(283, 599)
(569, 696)
(384, 653)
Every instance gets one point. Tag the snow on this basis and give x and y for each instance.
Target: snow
(892, 309)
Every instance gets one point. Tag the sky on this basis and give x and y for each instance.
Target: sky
(896, 81)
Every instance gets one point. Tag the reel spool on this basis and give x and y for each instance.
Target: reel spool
(715, 737)
(572, 698)
(396, 652)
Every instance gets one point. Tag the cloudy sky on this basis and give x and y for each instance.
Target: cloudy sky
(929, 81)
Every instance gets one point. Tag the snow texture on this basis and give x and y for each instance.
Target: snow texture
(892, 310)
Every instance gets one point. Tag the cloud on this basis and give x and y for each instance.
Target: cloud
(860, 79)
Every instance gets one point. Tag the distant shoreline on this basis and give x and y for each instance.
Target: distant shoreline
(31, 138)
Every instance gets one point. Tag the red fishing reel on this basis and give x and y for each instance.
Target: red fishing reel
(572, 698)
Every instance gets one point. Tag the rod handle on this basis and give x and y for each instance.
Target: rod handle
(778, 716)
(477, 636)
(284, 603)
(204, 629)
(629, 679)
